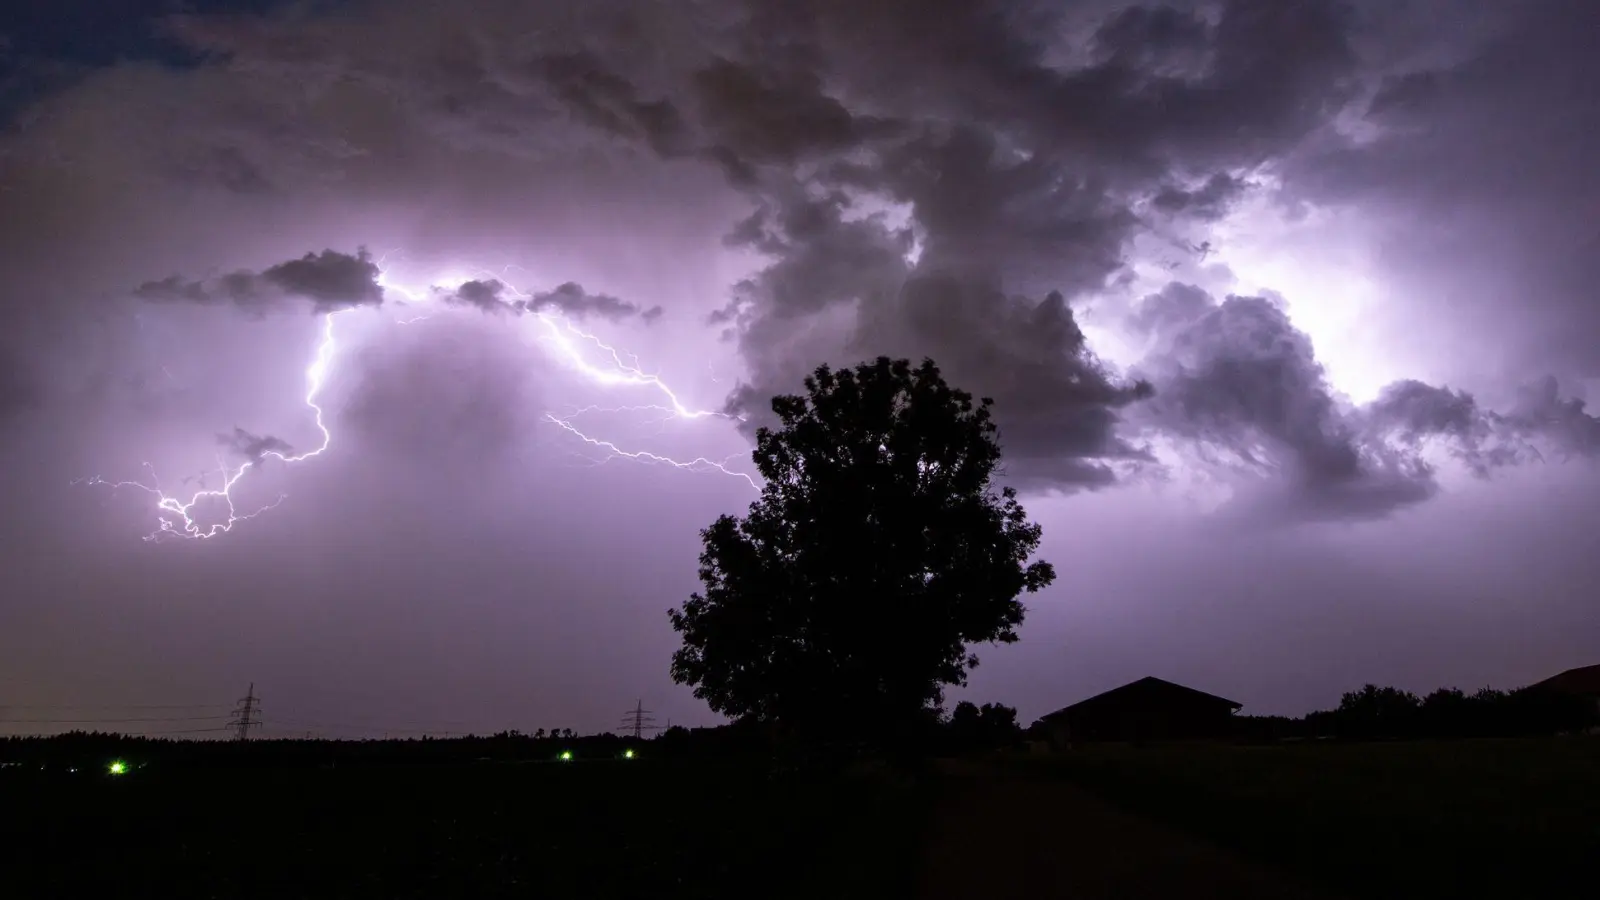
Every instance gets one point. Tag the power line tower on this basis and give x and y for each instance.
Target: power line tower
(638, 720)
(246, 715)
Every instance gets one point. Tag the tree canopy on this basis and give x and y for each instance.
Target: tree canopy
(879, 551)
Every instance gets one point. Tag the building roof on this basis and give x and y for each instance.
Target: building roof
(1147, 688)
(1583, 680)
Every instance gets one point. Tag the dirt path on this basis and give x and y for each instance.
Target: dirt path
(999, 835)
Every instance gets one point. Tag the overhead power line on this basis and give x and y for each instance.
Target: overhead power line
(139, 734)
(247, 715)
(368, 721)
(638, 720)
(184, 731)
(111, 706)
(349, 726)
(108, 721)
(244, 721)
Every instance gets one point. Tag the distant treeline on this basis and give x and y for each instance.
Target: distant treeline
(1371, 713)
(968, 728)
(94, 750)
(1378, 713)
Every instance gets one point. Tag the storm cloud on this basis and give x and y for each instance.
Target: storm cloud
(963, 191)
(1240, 382)
(330, 280)
(253, 446)
(570, 299)
(1472, 164)
(1325, 255)
(334, 281)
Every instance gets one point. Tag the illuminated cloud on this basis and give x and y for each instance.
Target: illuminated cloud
(971, 211)
(1240, 382)
(569, 299)
(1325, 255)
(330, 280)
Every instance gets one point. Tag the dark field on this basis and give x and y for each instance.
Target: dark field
(636, 829)
(1487, 818)
(1458, 818)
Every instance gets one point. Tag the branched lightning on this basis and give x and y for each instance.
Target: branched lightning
(177, 516)
(180, 518)
(567, 337)
(615, 452)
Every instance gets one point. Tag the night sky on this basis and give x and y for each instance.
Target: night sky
(1352, 247)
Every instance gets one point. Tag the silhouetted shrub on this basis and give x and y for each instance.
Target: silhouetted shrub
(1389, 713)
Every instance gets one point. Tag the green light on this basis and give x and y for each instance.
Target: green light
(627, 754)
(118, 768)
(566, 756)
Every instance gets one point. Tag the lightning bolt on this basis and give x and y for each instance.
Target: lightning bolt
(178, 517)
(568, 339)
(614, 452)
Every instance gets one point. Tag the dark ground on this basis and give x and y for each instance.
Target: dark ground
(1491, 818)
(603, 829)
(999, 834)
(1494, 818)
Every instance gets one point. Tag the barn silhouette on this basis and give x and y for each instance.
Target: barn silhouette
(1149, 709)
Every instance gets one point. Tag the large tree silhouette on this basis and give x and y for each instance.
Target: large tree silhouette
(878, 553)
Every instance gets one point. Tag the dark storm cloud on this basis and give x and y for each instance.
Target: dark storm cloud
(1018, 149)
(1176, 305)
(1003, 114)
(1542, 412)
(253, 446)
(606, 100)
(756, 115)
(331, 280)
(1040, 221)
(1025, 174)
(1153, 88)
(1210, 201)
(488, 296)
(334, 281)
(1238, 380)
(1542, 422)
(1058, 403)
(822, 258)
(1160, 39)
(570, 298)
(1476, 159)
(1411, 413)
(1025, 164)
(1059, 422)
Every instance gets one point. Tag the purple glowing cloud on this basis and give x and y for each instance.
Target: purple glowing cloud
(326, 280)
(1314, 459)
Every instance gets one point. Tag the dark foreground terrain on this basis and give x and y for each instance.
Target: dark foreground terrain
(603, 829)
(1490, 818)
